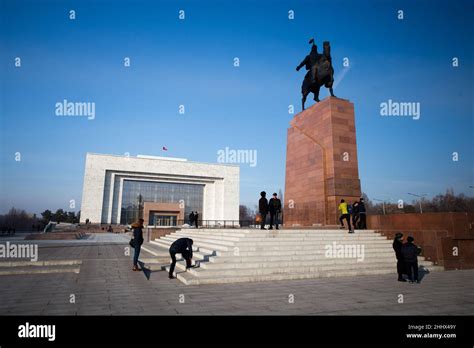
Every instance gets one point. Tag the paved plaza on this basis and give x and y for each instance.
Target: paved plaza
(106, 285)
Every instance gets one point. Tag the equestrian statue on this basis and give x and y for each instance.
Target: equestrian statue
(319, 71)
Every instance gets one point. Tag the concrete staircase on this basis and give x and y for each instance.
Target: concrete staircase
(248, 255)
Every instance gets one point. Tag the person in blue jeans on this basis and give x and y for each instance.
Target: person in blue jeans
(137, 241)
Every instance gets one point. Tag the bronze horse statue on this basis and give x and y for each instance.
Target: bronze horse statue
(320, 71)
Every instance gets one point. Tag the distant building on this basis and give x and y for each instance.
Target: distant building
(161, 190)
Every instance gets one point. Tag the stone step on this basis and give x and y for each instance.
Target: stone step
(246, 250)
(281, 231)
(202, 272)
(156, 250)
(201, 246)
(21, 270)
(185, 233)
(165, 254)
(279, 242)
(299, 263)
(282, 238)
(198, 272)
(216, 241)
(202, 251)
(302, 248)
(188, 279)
(180, 267)
(287, 256)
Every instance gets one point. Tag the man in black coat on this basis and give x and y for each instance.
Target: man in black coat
(196, 218)
(263, 209)
(183, 246)
(397, 247)
(191, 218)
(410, 253)
(362, 215)
(355, 215)
(274, 207)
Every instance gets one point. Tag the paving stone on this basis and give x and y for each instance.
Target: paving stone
(106, 285)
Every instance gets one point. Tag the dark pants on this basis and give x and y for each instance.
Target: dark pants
(173, 260)
(273, 216)
(348, 219)
(136, 254)
(412, 270)
(400, 268)
(355, 220)
(264, 218)
(362, 221)
(196, 222)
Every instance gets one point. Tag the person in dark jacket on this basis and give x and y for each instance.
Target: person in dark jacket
(397, 247)
(263, 209)
(137, 242)
(183, 246)
(410, 253)
(196, 218)
(362, 215)
(191, 218)
(274, 207)
(355, 215)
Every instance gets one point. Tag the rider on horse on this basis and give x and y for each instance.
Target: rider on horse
(311, 62)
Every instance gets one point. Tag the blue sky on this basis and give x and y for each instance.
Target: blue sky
(190, 62)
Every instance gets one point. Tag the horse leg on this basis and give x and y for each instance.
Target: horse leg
(330, 91)
(303, 100)
(316, 94)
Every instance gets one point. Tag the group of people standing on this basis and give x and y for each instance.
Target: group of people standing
(273, 207)
(356, 212)
(407, 258)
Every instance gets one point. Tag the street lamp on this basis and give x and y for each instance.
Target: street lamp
(383, 204)
(419, 196)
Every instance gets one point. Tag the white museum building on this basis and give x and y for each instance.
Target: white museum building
(161, 190)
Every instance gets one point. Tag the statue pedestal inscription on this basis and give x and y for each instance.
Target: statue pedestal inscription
(321, 163)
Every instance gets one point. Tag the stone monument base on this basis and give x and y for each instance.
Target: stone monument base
(321, 163)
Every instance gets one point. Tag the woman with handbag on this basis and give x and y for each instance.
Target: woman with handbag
(137, 241)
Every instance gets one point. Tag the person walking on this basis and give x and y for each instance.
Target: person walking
(344, 215)
(137, 242)
(263, 209)
(410, 252)
(362, 215)
(191, 218)
(183, 246)
(397, 247)
(196, 218)
(274, 207)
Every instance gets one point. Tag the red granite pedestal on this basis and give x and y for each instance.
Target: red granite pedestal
(321, 163)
